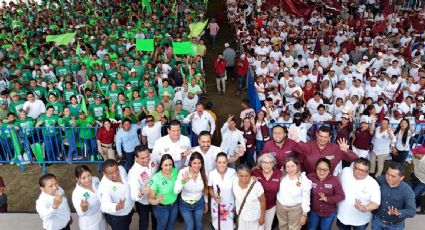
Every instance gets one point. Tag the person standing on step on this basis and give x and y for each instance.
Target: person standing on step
(229, 55)
(220, 72)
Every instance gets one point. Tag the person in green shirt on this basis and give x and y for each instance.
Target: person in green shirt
(16, 105)
(137, 105)
(50, 132)
(27, 125)
(51, 88)
(166, 87)
(62, 70)
(87, 134)
(38, 91)
(98, 109)
(118, 107)
(150, 102)
(56, 104)
(179, 114)
(74, 106)
(162, 195)
(120, 81)
(68, 122)
(112, 94)
(17, 88)
(68, 92)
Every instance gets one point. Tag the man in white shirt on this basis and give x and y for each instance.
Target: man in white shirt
(357, 89)
(341, 92)
(33, 107)
(390, 89)
(362, 195)
(175, 144)
(151, 132)
(314, 102)
(52, 205)
(373, 90)
(115, 196)
(138, 179)
(231, 137)
(200, 121)
(406, 107)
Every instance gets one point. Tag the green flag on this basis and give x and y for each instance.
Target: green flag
(147, 5)
(15, 143)
(197, 28)
(78, 51)
(182, 48)
(61, 39)
(83, 105)
(145, 45)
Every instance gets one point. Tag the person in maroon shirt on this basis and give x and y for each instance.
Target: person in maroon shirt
(308, 91)
(3, 197)
(312, 151)
(220, 71)
(242, 70)
(345, 127)
(105, 139)
(249, 132)
(280, 146)
(326, 192)
(362, 137)
(269, 177)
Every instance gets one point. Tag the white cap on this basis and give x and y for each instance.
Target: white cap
(226, 45)
(132, 71)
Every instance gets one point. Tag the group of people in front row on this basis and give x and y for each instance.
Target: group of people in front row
(299, 190)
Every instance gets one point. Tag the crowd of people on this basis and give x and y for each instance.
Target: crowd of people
(60, 94)
(347, 84)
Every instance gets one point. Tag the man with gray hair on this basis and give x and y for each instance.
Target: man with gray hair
(229, 55)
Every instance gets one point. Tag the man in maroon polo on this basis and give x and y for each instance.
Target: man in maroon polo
(280, 146)
(311, 151)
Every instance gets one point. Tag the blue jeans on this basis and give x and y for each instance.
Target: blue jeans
(192, 214)
(194, 139)
(401, 157)
(240, 80)
(72, 144)
(342, 226)
(129, 160)
(165, 216)
(52, 147)
(418, 188)
(377, 224)
(325, 223)
(259, 146)
(212, 40)
(91, 147)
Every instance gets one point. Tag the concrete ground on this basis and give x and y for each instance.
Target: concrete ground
(24, 221)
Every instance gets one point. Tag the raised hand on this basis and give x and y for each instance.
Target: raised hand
(120, 205)
(57, 201)
(84, 205)
(293, 134)
(323, 197)
(186, 177)
(343, 144)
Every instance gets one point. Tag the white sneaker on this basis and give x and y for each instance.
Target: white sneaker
(26, 159)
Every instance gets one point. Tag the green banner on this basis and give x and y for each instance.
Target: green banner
(147, 5)
(145, 45)
(182, 48)
(61, 39)
(197, 28)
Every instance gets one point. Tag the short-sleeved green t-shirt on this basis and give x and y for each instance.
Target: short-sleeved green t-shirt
(87, 131)
(98, 111)
(48, 123)
(165, 186)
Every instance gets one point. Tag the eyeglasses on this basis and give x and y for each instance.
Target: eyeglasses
(322, 169)
(267, 162)
(149, 120)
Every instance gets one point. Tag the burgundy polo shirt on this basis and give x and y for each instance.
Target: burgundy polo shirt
(332, 190)
(105, 136)
(309, 153)
(281, 154)
(249, 136)
(270, 186)
(363, 139)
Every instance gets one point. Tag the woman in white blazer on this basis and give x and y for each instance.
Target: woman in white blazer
(86, 201)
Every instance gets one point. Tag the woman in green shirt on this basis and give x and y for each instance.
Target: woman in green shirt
(161, 193)
(74, 107)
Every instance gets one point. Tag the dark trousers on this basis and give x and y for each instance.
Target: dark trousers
(143, 211)
(129, 160)
(119, 222)
(194, 139)
(401, 157)
(67, 227)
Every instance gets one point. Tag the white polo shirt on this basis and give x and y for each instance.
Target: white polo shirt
(209, 157)
(366, 190)
(138, 177)
(53, 219)
(205, 122)
(110, 193)
(165, 145)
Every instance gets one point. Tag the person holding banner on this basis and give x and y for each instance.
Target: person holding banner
(85, 200)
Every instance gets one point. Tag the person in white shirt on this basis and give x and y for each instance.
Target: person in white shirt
(175, 144)
(249, 193)
(138, 179)
(341, 92)
(390, 90)
(373, 90)
(346, 76)
(362, 195)
(300, 127)
(85, 200)
(394, 69)
(231, 137)
(293, 198)
(115, 196)
(314, 102)
(192, 184)
(321, 115)
(151, 132)
(33, 107)
(52, 205)
(382, 141)
(276, 54)
(357, 89)
(406, 107)
(200, 120)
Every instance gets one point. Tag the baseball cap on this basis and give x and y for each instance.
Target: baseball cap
(179, 102)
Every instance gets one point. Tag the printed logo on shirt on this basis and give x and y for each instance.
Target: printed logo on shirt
(275, 180)
(166, 150)
(86, 195)
(329, 186)
(330, 157)
(164, 182)
(114, 188)
(144, 176)
(313, 185)
(288, 151)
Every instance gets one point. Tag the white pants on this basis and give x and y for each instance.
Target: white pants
(268, 220)
(361, 152)
(250, 225)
